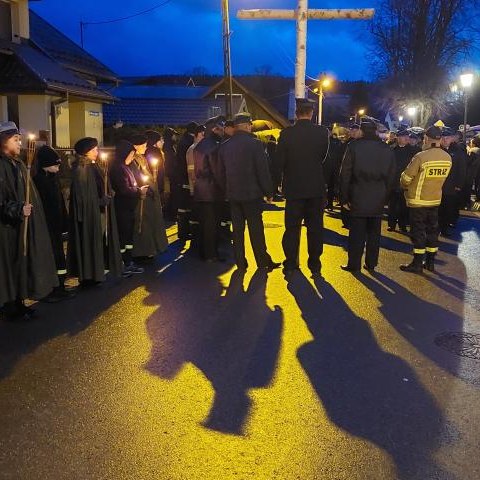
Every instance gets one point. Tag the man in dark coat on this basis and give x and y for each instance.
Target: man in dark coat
(93, 245)
(48, 186)
(454, 182)
(246, 180)
(181, 188)
(367, 175)
(301, 152)
(21, 276)
(397, 206)
(170, 137)
(208, 193)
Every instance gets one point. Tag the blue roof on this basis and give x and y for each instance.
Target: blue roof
(134, 111)
(159, 91)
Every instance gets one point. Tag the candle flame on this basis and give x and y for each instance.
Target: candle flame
(154, 162)
(31, 136)
(104, 156)
(145, 178)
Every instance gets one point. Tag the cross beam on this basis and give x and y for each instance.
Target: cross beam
(302, 14)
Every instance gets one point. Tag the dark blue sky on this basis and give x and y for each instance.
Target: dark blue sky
(187, 33)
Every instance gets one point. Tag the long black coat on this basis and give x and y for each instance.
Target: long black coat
(127, 195)
(367, 176)
(299, 163)
(149, 235)
(244, 168)
(456, 177)
(33, 276)
(403, 156)
(88, 255)
(180, 170)
(48, 187)
(207, 171)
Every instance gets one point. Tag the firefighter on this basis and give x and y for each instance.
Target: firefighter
(423, 180)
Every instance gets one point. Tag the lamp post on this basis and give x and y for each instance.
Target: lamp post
(323, 83)
(466, 80)
(227, 65)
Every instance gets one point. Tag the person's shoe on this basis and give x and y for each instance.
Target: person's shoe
(445, 233)
(390, 229)
(429, 263)
(21, 309)
(134, 269)
(289, 272)
(369, 268)
(271, 266)
(316, 274)
(348, 268)
(415, 266)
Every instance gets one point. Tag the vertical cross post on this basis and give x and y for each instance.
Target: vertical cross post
(227, 64)
(301, 59)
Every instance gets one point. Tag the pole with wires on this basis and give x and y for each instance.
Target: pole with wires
(227, 65)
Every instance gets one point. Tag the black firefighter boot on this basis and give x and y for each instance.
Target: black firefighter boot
(430, 262)
(416, 265)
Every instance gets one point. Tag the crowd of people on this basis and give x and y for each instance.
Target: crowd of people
(213, 180)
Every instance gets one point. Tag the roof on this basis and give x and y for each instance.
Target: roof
(23, 69)
(66, 52)
(159, 91)
(274, 114)
(145, 111)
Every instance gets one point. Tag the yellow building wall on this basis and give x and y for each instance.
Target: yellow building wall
(86, 120)
(62, 123)
(3, 109)
(34, 113)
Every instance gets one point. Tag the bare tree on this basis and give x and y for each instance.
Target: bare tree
(417, 45)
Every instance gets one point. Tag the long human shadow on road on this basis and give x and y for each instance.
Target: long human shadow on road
(233, 339)
(69, 317)
(419, 322)
(366, 391)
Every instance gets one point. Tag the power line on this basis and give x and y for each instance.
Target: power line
(128, 17)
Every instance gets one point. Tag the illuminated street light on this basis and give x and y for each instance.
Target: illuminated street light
(400, 118)
(412, 111)
(325, 82)
(466, 81)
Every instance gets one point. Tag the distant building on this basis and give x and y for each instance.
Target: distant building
(48, 84)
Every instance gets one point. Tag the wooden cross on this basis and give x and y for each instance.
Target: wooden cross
(302, 14)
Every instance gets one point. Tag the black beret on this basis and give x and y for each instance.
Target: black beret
(191, 127)
(305, 103)
(139, 139)
(152, 137)
(84, 145)
(47, 157)
(218, 121)
(242, 118)
(433, 132)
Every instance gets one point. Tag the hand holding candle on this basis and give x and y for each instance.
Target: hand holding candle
(145, 179)
(154, 163)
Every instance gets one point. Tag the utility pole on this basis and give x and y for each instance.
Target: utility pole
(301, 15)
(82, 25)
(227, 64)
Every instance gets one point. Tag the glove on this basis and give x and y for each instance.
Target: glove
(105, 201)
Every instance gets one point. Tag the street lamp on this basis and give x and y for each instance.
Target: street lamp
(466, 80)
(323, 83)
(359, 112)
(412, 112)
(400, 118)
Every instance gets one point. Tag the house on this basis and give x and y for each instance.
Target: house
(48, 84)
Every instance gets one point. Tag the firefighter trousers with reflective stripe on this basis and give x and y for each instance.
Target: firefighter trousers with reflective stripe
(424, 229)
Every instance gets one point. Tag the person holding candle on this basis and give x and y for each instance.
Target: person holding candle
(22, 276)
(93, 243)
(127, 196)
(149, 236)
(154, 153)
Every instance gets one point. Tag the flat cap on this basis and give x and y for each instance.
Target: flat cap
(305, 103)
(139, 139)
(218, 121)
(448, 132)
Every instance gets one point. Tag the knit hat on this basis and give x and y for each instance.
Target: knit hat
(139, 139)
(191, 127)
(47, 157)
(84, 145)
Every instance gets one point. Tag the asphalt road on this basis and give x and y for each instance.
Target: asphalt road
(192, 371)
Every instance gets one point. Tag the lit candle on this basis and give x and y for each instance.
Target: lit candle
(30, 154)
(154, 163)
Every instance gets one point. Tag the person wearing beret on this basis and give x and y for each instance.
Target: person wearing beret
(397, 206)
(30, 276)
(93, 249)
(299, 167)
(181, 186)
(155, 152)
(47, 165)
(149, 236)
